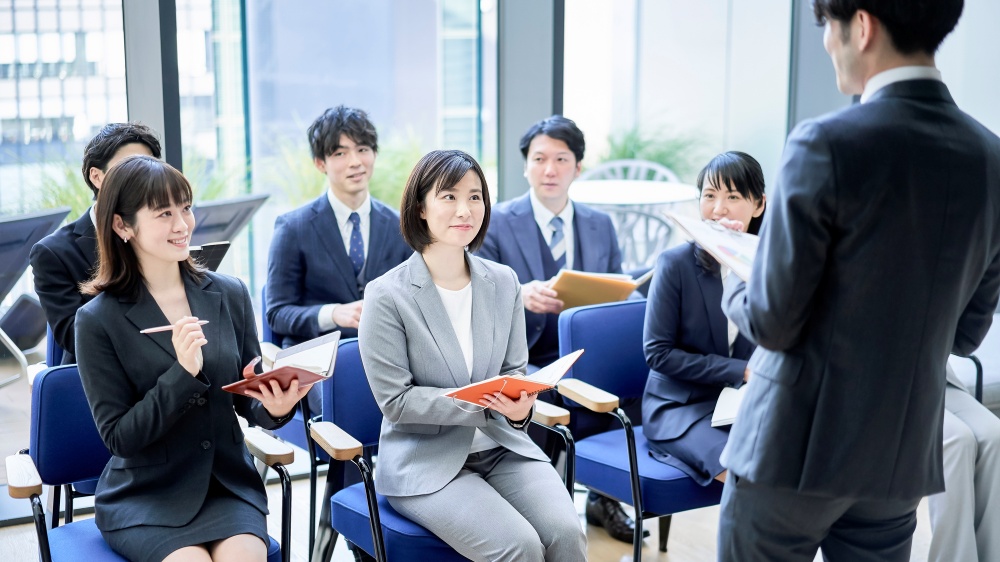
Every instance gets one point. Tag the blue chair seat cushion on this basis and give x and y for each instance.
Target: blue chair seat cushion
(81, 541)
(602, 464)
(404, 539)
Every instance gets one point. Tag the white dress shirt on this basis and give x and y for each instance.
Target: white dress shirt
(898, 74)
(543, 216)
(458, 305)
(343, 213)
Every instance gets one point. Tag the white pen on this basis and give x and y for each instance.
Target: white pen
(166, 328)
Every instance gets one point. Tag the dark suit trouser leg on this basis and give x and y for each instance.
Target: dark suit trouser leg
(759, 522)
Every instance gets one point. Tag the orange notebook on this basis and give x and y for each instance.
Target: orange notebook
(581, 288)
(310, 362)
(512, 385)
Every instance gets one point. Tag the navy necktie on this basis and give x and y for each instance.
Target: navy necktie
(357, 251)
(558, 242)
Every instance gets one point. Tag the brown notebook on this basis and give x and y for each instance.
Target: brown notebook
(309, 362)
(581, 288)
(512, 384)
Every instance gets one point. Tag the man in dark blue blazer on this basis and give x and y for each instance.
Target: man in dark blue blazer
(542, 232)
(521, 232)
(324, 253)
(66, 258)
(879, 257)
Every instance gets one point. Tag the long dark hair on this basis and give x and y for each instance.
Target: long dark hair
(744, 174)
(135, 183)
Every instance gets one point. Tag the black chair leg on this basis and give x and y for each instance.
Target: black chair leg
(664, 531)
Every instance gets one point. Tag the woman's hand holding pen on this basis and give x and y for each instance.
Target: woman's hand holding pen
(279, 402)
(188, 338)
(514, 410)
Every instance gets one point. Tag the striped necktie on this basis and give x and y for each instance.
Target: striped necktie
(558, 242)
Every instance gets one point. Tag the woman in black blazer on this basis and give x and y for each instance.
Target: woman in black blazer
(692, 350)
(181, 483)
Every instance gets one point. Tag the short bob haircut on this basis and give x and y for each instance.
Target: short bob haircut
(102, 148)
(559, 128)
(324, 133)
(137, 182)
(913, 25)
(438, 170)
(740, 171)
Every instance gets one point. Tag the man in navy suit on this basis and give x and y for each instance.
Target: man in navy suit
(879, 257)
(66, 258)
(324, 253)
(542, 232)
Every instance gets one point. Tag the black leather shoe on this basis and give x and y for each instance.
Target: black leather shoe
(608, 513)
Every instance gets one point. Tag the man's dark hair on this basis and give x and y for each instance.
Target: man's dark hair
(102, 148)
(324, 133)
(913, 25)
(559, 128)
(438, 170)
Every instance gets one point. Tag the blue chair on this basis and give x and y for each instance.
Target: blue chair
(617, 463)
(352, 421)
(53, 352)
(65, 447)
(296, 431)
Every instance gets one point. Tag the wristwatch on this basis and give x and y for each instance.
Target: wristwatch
(519, 424)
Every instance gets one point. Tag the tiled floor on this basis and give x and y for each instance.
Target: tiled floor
(692, 534)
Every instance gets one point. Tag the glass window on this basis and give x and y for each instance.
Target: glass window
(632, 73)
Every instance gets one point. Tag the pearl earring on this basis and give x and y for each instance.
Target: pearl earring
(125, 239)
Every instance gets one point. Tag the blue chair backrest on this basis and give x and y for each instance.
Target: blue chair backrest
(347, 396)
(611, 335)
(266, 333)
(64, 442)
(53, 353)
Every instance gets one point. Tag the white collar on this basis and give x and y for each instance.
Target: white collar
(93, 216)
(343, 212)
(898, 74)
(543, 215)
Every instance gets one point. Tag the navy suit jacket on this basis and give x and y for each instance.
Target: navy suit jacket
(512, 239)
(59, 263)
(169, 432)
(308, 266)
(686, 340)
(880, 255)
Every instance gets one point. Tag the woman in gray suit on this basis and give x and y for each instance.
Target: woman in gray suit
(180, 484)
(439, 321)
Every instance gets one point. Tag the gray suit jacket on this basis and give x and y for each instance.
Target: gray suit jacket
(169, 433)
(879, 257)
(412, 356)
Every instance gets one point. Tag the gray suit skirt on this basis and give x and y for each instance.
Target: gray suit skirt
(223, 515)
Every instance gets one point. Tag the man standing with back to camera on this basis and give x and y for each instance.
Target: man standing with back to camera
(880, 256)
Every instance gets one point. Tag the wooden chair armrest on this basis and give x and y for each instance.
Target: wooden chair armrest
(588, 396)
(267, 449)
(268, 352)
(22, 477)
(549, 414)
(335, 441)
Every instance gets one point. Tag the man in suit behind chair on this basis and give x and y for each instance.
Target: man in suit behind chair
(67, 257)
(324, 253)
(542, 232)
(880, 256)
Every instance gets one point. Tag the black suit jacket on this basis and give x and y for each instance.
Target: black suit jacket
(308, 266)
(169, 432)
(879, 256)
(686, 341)
(60, 262)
